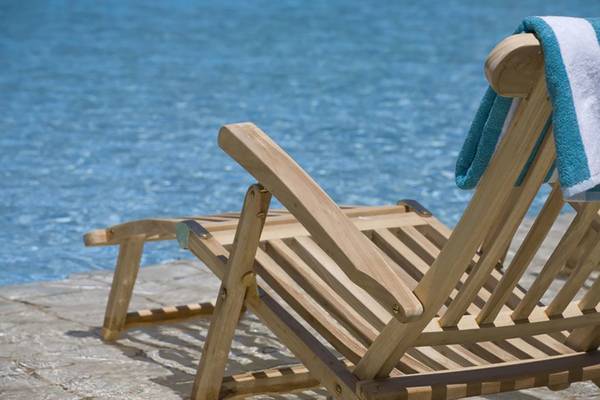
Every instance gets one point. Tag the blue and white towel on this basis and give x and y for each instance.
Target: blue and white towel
(572, 61)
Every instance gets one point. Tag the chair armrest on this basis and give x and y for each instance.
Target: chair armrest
(152, 229)
(321, 217)
(97, 237)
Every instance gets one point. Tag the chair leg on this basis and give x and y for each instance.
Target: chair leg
(239, 282)
(215, 353)
(128, 264)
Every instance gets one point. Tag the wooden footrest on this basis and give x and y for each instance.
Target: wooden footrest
(268, 381)
(168, 314)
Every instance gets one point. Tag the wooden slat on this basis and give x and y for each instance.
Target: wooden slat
(591, 298)
(559, 256)
(164, 228)
(330, 272)
(234, 286)
(581, 251)
(439, 234)
(433, 358)
(414, 265)
(491, 238)
(168, 314)
(346, 343)
(156, 229)
(328, 225)
(524, 256)
(489, 352)
(294, 229)
(552, 340)
(410, 281)
(508, 161)
(436, 235)
(467, 330)
(419, 243)
(575, 281)
(518, 208)
(529, 349)
(414, 243)
(471, 357)
(269, 381)
(586, 243)
(318, 290)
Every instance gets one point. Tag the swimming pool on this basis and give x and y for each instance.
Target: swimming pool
(110, 111)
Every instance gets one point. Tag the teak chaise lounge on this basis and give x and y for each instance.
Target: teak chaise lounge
(386, 302)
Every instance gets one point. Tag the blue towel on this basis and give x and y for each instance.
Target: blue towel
(572, 65)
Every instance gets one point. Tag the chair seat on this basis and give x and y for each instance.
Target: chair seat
(291, 264)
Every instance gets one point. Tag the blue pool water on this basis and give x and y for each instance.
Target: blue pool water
(109, 110)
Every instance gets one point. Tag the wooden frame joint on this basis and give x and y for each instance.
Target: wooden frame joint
(248, 279)
(183, 229)
(415, 206)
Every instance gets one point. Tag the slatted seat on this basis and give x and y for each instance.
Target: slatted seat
(387, 302)
(291, 267)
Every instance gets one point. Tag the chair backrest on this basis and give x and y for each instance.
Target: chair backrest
(489, 224)
(339, 266)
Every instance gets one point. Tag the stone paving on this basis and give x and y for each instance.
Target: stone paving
(50, 346)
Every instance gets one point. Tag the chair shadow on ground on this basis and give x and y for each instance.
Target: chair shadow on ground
(178, 347)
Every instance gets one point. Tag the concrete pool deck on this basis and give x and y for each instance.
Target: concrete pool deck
(50, 346)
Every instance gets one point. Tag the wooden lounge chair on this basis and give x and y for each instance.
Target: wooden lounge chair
(386, 302)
